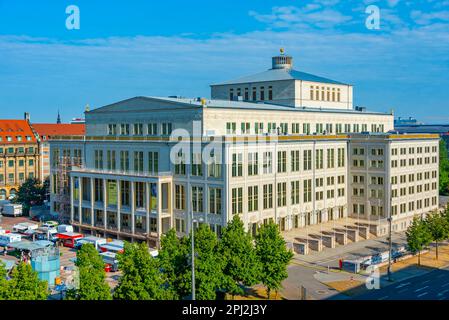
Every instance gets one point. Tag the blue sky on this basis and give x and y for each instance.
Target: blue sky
(176, 47)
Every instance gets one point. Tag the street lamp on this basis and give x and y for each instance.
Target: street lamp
(193, 254)
(390, 220)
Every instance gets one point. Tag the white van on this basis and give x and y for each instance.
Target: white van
(6, 239)
(64, 228)
(13, 210)
(24, 227)
(96, 241)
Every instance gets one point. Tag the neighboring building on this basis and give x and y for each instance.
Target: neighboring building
(406, 122)
(263, 161)
(440, 129)
(19, 156)
(46, 131)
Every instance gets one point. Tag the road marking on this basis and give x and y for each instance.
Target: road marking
(422, 294)
(403, 285)
(425, 281)
(441, 275)
(445, 285)
(421, 288)
(443, 292)
(403, 290)
(382, 298)
(442, 298)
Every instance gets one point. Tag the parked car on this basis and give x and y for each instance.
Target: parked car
(50, 224)
(6, 239)
(42, 218)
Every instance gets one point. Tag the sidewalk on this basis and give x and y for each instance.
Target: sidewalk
(401, 270)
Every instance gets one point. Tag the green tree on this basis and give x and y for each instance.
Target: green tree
(173, 260)
(92, 277)
(25, 284)
(438, 227)
(241, 265)
(418, 237)
(142, 278)
(273, 255)
(31, 193)
(444, 169)
(3, 282)
(208, 266)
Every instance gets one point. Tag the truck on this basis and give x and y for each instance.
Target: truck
(63, 228)
(6, 239)
(23, 227)
(96, 241)
(13, 210)
(116, 246)
(110, 260)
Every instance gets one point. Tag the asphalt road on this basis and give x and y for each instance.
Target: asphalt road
(431, 286)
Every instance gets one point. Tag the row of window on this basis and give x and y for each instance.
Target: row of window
(411, 161)
(327, 94)
(12, 150)
(334, 158)
(267, 191)
(13, 179)
(411, 150)
(18, 138)
(20, 163)
(359, 209)
(412, 177)
(66, 158)
(140, 129)
(401, 192)
(296, 128)
(214, 193)
(237, 94)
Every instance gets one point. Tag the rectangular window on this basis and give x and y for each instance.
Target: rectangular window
(282, 161)
(180, 164)
(110, 159)
(166, 129)
(267, 162)
(295, 192)
(319, 159)
(152, 129)
(138, 161)
(138, 129)
(180, 197)
(215, 200)
(330, 158)
(197, 165)
(253, 198)
(124, 160)
(237, 200)
(267, 196)
(197, 199)
(124, 129)
(253, 163)
(153, 162)
(214, 167)
(307, 160)
(237, 164)
(307, 190)
(294, 160)
(98, 159)
(282, 194)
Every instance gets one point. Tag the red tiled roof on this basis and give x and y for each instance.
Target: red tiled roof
(58, 129)
(17, 131)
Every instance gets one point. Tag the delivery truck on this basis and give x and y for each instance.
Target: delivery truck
(12, 210)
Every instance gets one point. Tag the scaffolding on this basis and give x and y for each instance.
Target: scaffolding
(62, 186)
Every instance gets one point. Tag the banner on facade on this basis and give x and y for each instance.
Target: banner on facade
(112, 193)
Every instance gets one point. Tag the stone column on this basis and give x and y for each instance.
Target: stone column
(105, 203)
(133, 206)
